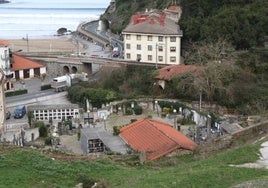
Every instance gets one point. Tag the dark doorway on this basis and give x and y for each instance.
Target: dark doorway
(26, 73)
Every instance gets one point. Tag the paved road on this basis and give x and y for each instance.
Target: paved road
(34, 96)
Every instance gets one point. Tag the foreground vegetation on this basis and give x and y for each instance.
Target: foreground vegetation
(32, 168)
(226, 38)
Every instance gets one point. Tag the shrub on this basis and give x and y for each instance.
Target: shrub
(137, 110)
(129, 111)
(87, 182)
(16, 92)
(116, 130)
(133, 120)
(45, 87)
(48, 141)
(43, 131)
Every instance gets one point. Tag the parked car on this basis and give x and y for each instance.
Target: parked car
(8, 114)
(20, 111)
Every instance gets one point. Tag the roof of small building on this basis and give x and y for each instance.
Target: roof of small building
(22, 63)
(155, 138)
(53, 107)
(153, 22)
(4, 43)
(168, 72)
(174, 8)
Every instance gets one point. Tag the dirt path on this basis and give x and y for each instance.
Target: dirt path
(262, 162)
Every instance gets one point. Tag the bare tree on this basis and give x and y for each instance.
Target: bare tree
(202, 53)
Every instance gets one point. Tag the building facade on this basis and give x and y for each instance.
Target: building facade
(57, 112)
(152, 37)
(25, 68)
(6, 64)
(2, 103)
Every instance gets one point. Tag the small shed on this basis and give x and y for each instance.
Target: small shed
(26, 68)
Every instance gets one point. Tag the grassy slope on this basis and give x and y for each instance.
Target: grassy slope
(27, 168)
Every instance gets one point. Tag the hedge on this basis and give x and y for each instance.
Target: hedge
(45, 87)
(16, 92)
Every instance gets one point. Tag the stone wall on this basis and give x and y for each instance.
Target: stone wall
(250, 133)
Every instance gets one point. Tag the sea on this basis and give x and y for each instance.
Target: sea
(41, 19)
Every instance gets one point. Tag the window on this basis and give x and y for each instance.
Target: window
(150, 38)
(127, 46)
(138, 47)
(128, 36)
(160, 48)
(150, 47)
(138, 57)
(160, 39)
(128, 56)
(172, 49)
(172, 39)
(138, 37)
(150, 58)
(172, 59)
(160, 58)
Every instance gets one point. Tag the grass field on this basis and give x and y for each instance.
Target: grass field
(31, 168)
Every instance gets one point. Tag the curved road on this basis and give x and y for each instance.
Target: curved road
(92, 28)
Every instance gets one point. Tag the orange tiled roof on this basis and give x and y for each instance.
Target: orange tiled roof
(174, 8)
(168, 72)
(155, 138)
(4, 43)
(155, 22)
(22, 63)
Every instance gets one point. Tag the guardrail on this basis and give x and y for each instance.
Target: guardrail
(81, 29)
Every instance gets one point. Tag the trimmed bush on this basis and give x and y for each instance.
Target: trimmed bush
(137, 110)
(45, 87)
(129, 111)
(43, 131)
(16, 92)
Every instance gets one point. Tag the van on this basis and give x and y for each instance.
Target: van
(19, 111)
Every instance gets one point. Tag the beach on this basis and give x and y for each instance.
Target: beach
(49, 45)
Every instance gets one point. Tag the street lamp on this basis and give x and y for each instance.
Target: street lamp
(104, 122)
(88, 122)
(156, 58)
(156, 106)
(200, 99)
(175, 117)
(132, 107)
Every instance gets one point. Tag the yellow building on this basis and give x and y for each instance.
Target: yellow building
(152, 37)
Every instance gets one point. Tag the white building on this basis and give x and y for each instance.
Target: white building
(2, 103)
(56, 113)
(6, 64)
(152, 37)
(25, 68)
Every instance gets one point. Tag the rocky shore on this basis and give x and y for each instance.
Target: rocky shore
(4, 1)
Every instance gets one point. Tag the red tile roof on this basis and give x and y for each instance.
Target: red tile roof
(155, 22)
(155, 138)
(168, 72)
(174, 8)
(4, 43)
(22, 63)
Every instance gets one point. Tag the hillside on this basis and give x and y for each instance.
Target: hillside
(44, 168)
(230, 31)
(242, 22)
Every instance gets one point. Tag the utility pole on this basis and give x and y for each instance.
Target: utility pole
(200, 99)
(27, 40)
(156, 58)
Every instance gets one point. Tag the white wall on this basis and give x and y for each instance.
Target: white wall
(144, 52)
